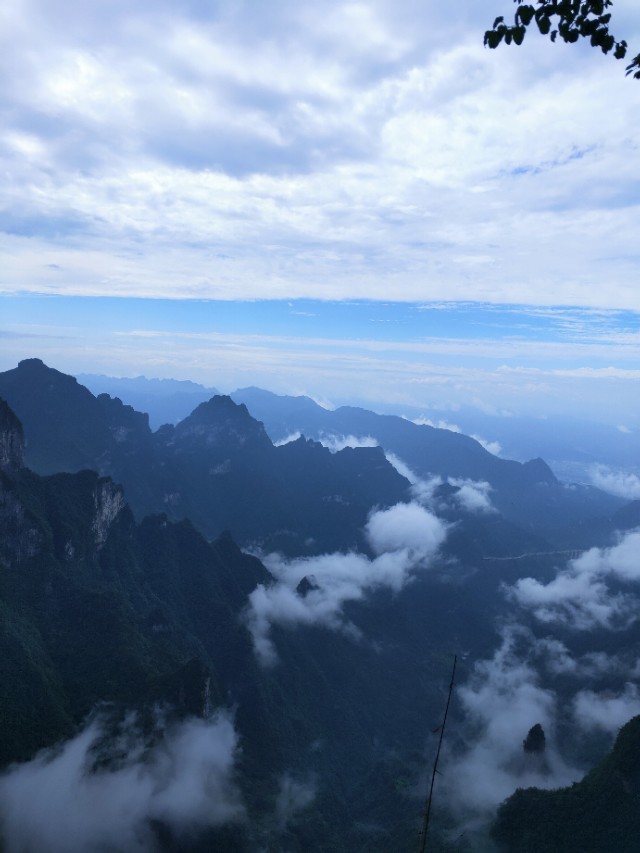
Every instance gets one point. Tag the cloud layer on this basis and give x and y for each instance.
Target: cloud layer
(352, 150)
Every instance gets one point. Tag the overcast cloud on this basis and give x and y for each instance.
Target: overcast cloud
(332, 152)
(229, 151)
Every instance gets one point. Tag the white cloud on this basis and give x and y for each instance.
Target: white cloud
(580, 595)
(501, 701)
(493, 447)
(294, 436)
(606, 710)
(405, 526)
(226, 151)
(473, 495)
(421, 490)
(62, 803)
(625, 484)
(405, 538)
(439, 424)
(336, 443)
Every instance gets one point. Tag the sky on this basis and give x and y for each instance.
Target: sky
(349, 200)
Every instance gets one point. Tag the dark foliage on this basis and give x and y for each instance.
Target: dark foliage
(597, 815)
(569, 20)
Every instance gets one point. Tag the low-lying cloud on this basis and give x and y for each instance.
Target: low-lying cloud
(336, 443)
(608, 710)
(502, 700)
(421, 490)
(404, 538)
(493, 447)
(293, 436)
(581, 595)
(294, 795)
(567, 682)
(624, 484)
(473, 495)
(63, 802)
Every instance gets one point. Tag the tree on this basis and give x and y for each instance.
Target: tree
(568, 19)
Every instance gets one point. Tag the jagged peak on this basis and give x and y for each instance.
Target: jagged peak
(221, 419)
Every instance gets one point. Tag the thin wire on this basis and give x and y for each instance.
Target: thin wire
(427, 809)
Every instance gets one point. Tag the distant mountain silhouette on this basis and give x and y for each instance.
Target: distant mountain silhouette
(527, 494)
(217, 467)
(166, 401)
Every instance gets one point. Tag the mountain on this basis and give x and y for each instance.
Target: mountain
(328, 663)
(96, 608)
(166, 401)
(597, 815)
(217, 467)
(526, 493)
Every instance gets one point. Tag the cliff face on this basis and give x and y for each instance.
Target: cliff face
(11, 439)
(109, 501)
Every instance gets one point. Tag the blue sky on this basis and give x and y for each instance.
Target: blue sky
(351, 200)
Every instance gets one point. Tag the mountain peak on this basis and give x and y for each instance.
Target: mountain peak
(220, 420)
(539, 471)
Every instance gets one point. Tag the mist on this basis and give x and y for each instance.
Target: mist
(403, 538)
(541, 673)
(104, 790)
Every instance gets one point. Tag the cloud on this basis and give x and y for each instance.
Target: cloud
(580, 596)
(294, 436)
(440, 424)
(294, 795)
(607, 711)
(336, 443)
(493, 447)
(405, 527)
(473, 495)
(315, 163)
(557, 659)
(63, 802)
(621, 483)
(501, 701)
(404, 538)
(421, 490)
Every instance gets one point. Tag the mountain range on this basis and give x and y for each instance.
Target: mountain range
(317, 664)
